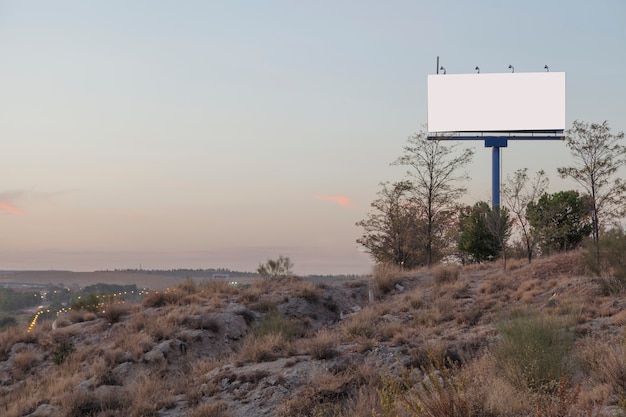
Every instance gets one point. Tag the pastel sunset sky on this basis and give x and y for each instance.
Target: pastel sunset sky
(199, 134)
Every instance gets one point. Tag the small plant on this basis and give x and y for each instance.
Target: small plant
(275, 323)
(275, 268)
(62, 351)
(533, 351)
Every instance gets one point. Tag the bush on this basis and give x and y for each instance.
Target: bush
(274, 268)
(62, 351)
(533, 351)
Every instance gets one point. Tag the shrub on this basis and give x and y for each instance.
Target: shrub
(533, 350)
(62, 351)
(163, 298)
(275, 268)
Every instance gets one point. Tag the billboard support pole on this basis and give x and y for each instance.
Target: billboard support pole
(495, 177)
(495, 143)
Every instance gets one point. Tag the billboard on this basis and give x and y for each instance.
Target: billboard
(510, 102)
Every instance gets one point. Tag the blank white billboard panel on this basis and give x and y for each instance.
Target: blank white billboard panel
(532, 101)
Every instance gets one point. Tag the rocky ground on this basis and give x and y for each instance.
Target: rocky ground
(290, 347)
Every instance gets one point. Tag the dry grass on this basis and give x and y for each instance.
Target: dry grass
(113, 313)
(263, 348)
(362, 324)
(323, 345)
(380, 360)
(386, 276)
(212, 409)
(444, 274)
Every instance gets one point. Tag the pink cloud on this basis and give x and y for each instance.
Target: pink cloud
(341, 200)
(8, 207)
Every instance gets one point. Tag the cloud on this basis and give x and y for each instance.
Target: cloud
(10, 208)
(7, 201)
(340, 200)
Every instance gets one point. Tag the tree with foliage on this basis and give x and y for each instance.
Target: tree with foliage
(482, 231)
(500, 225)
(12, 300)
(598, 156)
(518, 191)
(393, 231)
(435, 170)
(560, 220)
(276, 268)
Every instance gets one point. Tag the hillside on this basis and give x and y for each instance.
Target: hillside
(544, 339)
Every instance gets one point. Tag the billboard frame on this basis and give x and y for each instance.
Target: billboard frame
(497, 140)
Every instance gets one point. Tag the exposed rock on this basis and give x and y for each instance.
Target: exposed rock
(46, 410)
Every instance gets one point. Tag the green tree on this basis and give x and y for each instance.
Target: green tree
(276, 268)
(435, 170)
(560, 220)
(598, 156)
(500, 225)
(393, 231)
(476, 232)
(518, 191)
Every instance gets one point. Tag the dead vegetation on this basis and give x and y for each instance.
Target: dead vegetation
(543, 339)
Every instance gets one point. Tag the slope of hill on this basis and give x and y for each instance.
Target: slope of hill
(543, 339)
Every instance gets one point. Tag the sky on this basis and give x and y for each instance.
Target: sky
(206, 134)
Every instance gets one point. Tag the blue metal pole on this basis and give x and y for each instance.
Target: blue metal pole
(495, 177)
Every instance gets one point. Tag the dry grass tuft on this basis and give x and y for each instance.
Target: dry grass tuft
(212, 409)
(322, 346)
(386, 276)
(445, 274)
(264, 348)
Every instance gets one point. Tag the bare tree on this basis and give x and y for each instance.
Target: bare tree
(393, 229)
(435, 171)
(598, 156)
(276, 268)
(518, 191)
